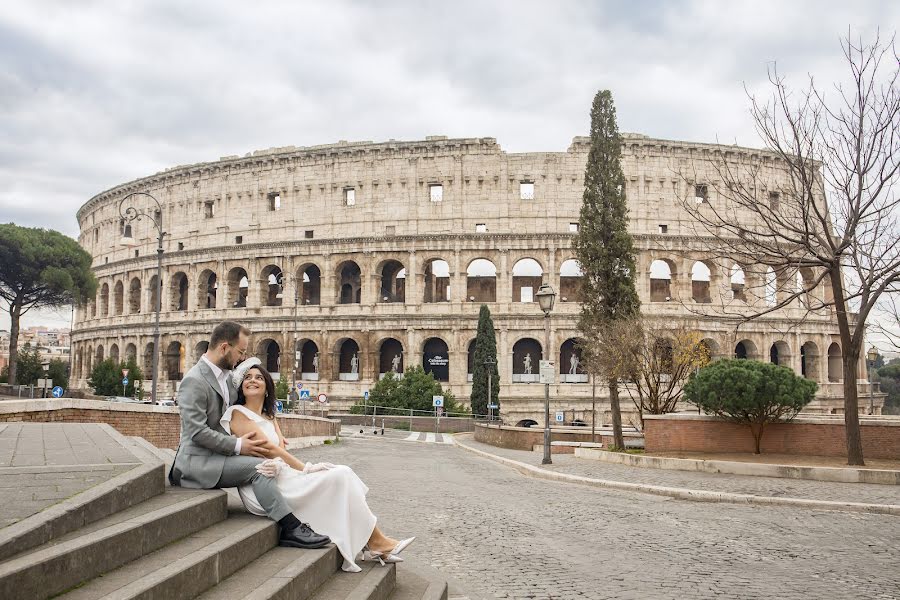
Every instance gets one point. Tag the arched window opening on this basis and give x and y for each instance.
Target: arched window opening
(481, 281)
(309, 361)
(436, 359)
(130, 352)
(660, 281)
(570, 368)
(178, 292)
(809, 361)
(390, 358)
(119, 298)
(835, 363)
(527, 354)
(104, 300)
(134, 296)
(349, 283)
(745, 349)
(527, 278)
(114, 353)
(393, 282)
(238, 287)
(437, 281)
(712, 348)
(200, 349)
(737, 283)
(99, 353)
(700, 278)
(348, 360)
(147, 364)
(311, 285)
(780, 354)
(570, 275)
(272, 286)
(269, 352)
(207, 289)
(174, 361)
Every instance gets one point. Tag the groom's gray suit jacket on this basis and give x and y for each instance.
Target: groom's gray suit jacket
(204, 444)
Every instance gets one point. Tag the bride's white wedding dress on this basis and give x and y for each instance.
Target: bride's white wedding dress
(332, 501)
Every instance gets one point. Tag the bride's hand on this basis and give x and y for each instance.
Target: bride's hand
(316, 467)
(270, 467)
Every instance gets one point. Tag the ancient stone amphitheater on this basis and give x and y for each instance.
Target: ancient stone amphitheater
(369, 257)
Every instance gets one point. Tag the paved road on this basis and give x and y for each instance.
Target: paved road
(497, 534)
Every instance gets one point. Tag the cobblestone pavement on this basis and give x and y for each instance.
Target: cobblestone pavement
(738, 484)
(497, 534)
(44, 463)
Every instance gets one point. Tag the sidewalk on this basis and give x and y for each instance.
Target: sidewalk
(685, 481)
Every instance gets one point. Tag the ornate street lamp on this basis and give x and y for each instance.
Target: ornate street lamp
(129, 214)
(872, 356)
(545, 297)
(489, 363)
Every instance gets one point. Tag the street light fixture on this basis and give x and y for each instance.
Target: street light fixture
(489, 363)
(130, 213)
(545, 297)
(872, 356)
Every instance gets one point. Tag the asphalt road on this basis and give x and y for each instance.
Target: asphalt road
(494, 533)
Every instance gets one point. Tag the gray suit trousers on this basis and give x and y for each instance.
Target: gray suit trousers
(240, 470)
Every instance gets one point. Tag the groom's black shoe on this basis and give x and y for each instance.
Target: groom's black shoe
(302, 536)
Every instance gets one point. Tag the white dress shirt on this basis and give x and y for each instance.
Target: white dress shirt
(222, 377)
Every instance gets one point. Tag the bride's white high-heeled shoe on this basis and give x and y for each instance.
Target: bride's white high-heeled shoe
(381, 557)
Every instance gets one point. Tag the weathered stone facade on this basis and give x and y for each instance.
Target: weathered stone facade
(332, 246)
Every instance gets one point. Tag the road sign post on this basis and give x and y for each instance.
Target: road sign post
(438, 403)
(124, 381)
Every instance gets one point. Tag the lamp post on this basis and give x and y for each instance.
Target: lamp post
(871, 356)
(489, 363)
(131, 213)
(546, 296)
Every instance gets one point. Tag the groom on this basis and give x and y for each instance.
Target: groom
(207, 457)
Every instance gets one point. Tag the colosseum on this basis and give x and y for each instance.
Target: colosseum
(369, 257)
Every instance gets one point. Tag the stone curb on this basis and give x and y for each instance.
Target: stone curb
(832, 474)
(684, 493)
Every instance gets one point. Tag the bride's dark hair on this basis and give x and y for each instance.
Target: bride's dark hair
(268, 406)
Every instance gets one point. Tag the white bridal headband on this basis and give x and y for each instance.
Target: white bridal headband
(237, 375)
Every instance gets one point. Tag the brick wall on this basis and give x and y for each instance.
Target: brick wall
(447, 424)
(815, 436)
(526, 438)
(159, 425)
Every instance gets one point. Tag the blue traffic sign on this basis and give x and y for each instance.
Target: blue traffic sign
(304, 393)
(366, 394)
(58, 392)
(279, 406)
(124, 381)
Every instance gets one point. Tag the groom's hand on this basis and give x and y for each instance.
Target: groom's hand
(251, 446)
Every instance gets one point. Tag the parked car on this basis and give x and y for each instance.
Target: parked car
(121, 399)
(166, 403)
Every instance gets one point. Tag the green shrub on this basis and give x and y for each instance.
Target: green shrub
(751, 392)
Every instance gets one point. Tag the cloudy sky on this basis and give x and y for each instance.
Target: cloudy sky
(93, 94)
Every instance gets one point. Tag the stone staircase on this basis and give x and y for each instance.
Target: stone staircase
(181, 543)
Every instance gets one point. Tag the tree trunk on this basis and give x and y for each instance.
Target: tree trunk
(850, 349)
(618, 438)
(14, 315)
(757, 430)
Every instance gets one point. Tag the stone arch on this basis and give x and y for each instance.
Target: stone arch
(238, 288)
(98, 353)
(114, 352)
(389, 349)
(134, 296)
(79, 363)
(664, 350)
(712, 348)
(809, 360)
(271, 288)
(174, 361)
(526, 423)
(527, 277)
(147, 359)
(780, 354)
(130, 352)
(571, 369)
(178, 291)
(835, 363)
(392, 277)
(308, 359)
(89, 359)
(436, 358)
(348, 361)
(738, 282)
(570, 275)
(207, 289)
(349, 278)
(481, 281)
(746, 349)
(119, 298)
(526, 355)
(104, 300)
(470, 360)
(661, 274)
(437, 281)
(200, 349)
(269, 352)
(701, 275)
(309, 276)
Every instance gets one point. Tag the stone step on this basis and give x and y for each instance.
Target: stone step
(188, 567)
(163, 454)
(109, 543)
(411, 586)
(373, 583)
(280, 573)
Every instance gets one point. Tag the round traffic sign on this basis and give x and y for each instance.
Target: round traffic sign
(323, 398)
(58, 392)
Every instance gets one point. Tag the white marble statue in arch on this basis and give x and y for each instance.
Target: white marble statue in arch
(527, 363)
(395, 363)
(354, 363)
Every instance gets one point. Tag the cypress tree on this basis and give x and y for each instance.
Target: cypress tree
(485, 346)
(603, 246)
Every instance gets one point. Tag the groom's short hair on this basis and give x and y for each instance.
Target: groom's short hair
(227, 331)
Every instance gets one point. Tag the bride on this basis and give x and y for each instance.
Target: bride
(332, 499)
